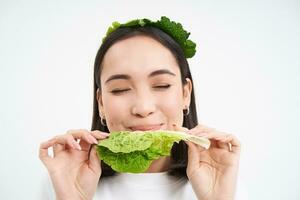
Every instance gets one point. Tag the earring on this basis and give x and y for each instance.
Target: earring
(102, 121)
(186, 111)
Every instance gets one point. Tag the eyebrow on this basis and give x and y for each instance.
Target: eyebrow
(127, 77)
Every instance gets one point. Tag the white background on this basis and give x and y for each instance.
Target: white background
(246, 74)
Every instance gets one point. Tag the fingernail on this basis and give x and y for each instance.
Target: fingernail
(77, 146)
(95, 141)
(92, 139)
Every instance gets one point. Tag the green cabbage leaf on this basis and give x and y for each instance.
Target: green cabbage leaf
(133, 152)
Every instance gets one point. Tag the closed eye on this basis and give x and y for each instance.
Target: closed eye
(119, 91)
(162, 86)
(158, 87)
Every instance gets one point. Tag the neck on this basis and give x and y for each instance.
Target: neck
(160, 165)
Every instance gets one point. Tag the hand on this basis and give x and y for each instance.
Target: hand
(213, 172)
(74, 175)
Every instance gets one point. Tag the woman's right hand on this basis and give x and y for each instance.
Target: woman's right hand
(74, 174)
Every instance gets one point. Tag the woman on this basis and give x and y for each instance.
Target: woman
(142, 81)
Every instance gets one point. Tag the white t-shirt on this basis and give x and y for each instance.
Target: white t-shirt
(146, 186)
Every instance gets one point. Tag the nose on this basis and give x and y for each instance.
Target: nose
(143, 105)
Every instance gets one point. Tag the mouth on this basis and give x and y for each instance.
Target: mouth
(146, 127)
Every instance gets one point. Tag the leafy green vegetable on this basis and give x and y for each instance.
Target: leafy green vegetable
(173, 29)
(133, 152)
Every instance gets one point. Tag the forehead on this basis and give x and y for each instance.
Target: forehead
(138, 55)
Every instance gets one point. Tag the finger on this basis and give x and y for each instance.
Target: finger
(223, 145)
(81, 134)
(216, 138)
(57, 148)
(43, 151)
(94, 162)
(85, 146)
(200, 130)
(193, 154)
(99, 135)
(87, 141)
(234, 144)
(221, 139)
(233, 140)
(214, 135)
(89, 137)
(208, 133)
(204, 133)
(179, 128)
(68, 141)
(228, 141)
(226, 146)
(204, 127)
(85, 137)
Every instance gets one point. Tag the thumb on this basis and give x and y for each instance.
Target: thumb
(94, 161)
(193, 154)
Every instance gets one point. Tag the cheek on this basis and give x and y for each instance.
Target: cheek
(171, 105)
(116, 110)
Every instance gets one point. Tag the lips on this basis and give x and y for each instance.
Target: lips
(146, 127)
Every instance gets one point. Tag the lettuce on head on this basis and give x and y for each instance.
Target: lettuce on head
(133, 152)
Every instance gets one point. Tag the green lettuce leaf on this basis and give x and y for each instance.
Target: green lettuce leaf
(133, 152)
(173, 29)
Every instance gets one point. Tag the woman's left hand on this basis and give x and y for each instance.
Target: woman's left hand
(213, 172)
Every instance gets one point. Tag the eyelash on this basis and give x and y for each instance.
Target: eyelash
(160, 87)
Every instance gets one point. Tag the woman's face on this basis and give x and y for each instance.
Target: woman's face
(141, 86)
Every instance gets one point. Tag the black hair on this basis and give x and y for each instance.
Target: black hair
(179, 150)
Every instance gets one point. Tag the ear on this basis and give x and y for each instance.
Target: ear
(187, 91)
(100, 102)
